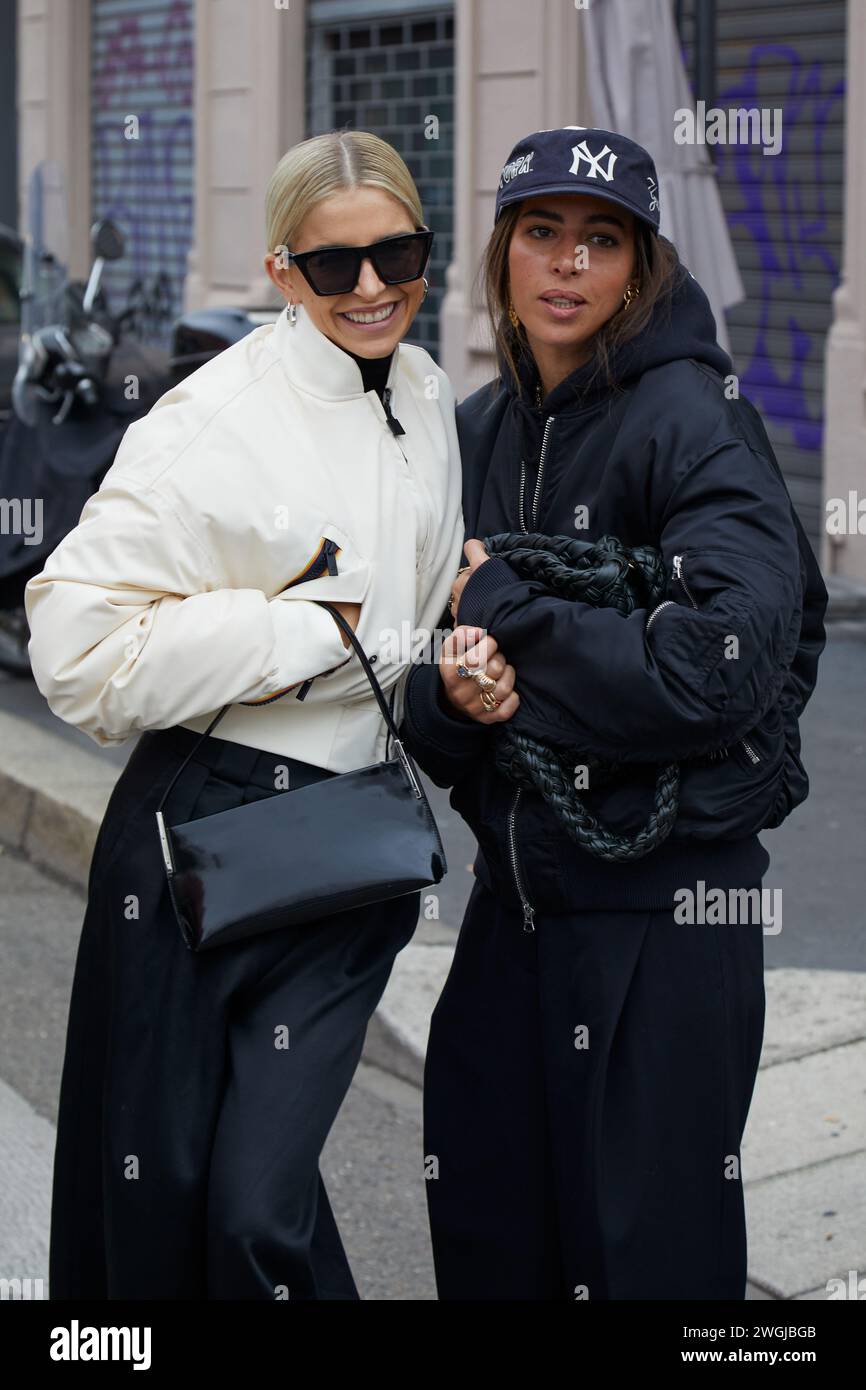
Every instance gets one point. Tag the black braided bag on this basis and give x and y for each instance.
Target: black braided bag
(606, 574)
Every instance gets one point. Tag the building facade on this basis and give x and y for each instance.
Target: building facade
(169, 115)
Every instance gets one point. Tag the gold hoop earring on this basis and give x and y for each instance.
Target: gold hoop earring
(632, 292)
(512, 315)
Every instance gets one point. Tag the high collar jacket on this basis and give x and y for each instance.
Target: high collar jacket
(266, 479)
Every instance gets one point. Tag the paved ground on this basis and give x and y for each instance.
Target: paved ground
(804, 1158)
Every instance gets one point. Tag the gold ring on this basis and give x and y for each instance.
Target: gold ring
(489, 701)
(483, 680)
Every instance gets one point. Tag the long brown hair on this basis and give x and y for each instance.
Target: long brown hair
(658, 271)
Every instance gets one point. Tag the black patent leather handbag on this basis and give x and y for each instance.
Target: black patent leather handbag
(350, 839)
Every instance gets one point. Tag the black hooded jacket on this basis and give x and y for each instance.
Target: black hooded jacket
(715, 679)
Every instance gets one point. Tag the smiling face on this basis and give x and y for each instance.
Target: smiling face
(355, 217)
(562, 297)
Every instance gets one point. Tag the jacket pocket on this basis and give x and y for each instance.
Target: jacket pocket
(746, 624)
(731, 792)
(335, 571)
(324, 561)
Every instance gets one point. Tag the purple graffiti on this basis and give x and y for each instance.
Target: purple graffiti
(163, 67)
(773, 188)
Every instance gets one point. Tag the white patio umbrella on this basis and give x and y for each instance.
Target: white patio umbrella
(636, 82)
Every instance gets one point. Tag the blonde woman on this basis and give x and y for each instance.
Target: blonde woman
(315, 459)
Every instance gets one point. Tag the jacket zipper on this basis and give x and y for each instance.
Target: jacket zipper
(392, 422)
(325, 558)
(528, 909)
(678, 574)
(652, 617)
(547, 424)
(329, 550)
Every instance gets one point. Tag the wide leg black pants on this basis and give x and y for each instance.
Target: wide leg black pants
(198, 1088)
(585, 1094)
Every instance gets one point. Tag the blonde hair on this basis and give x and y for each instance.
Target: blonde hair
(330, 163)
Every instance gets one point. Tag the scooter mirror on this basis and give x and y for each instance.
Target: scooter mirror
(107, 240)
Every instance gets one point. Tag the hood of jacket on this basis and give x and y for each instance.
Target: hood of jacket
(687, 329)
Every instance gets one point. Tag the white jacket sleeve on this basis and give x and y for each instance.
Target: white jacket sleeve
(130, 629)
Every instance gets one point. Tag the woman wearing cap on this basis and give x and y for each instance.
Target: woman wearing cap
(592, 1056)
(315, 459)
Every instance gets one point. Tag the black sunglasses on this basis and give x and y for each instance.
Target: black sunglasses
(335, 269)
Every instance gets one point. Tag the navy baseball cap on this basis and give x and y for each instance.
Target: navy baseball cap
(582, 159)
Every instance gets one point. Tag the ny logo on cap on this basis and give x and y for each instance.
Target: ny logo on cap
(581, 151)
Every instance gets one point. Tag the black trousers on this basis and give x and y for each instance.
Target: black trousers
(198, 1089)
(585, 1093)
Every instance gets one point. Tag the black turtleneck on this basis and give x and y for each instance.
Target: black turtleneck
(374, 371)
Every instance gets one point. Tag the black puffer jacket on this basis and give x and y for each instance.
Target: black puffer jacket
(669, 461)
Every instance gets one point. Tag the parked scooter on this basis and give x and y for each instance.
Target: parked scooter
(81, 381)
(11, 258)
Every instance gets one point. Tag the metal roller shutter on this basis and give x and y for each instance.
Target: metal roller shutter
(386, 72)
(784, 212)
(142, 65)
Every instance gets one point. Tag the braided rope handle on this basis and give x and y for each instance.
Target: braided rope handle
(606, 574)
(530, 764)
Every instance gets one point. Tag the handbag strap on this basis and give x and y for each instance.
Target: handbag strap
(377, 691)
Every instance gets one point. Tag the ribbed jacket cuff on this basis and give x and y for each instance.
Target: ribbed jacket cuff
(488, 579)
(449, 731)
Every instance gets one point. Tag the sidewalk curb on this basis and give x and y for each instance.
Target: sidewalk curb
(847, 599)
(52, 799)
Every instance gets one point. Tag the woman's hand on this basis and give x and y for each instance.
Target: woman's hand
(476, 555)
(351, 612)
(466, 646)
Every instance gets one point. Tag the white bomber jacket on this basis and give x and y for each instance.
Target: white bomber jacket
(266, 479)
